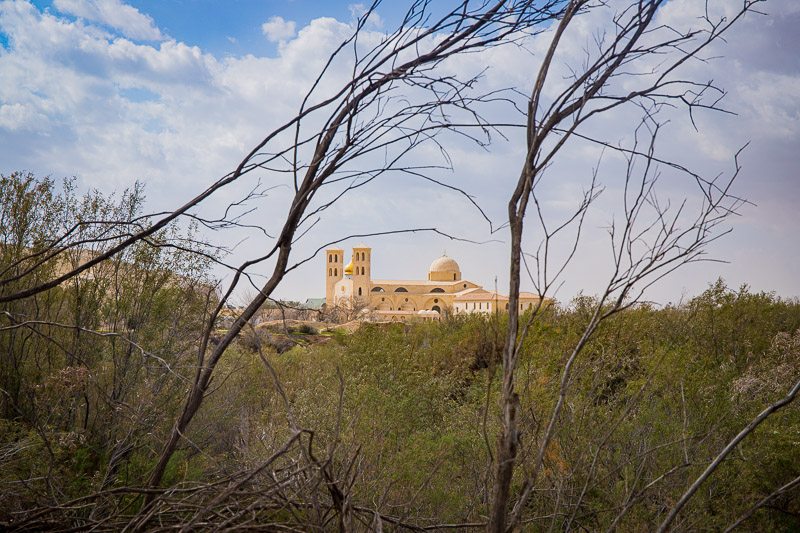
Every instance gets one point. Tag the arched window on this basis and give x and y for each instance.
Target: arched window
(400, 289)
(362, 271)
(436, 308)
(330, 272)
(378, 289)
(359, 291)
(330, 258)
(437, 289)
(506, 307)
(335, 258)
(454, 276)
(335, 271)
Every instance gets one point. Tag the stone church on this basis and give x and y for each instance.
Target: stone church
(403, 300)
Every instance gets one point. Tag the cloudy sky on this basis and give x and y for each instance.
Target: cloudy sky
(175, 92)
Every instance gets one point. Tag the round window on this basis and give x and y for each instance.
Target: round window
(406, 299)
(436, 301)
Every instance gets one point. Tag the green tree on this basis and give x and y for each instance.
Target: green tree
(91, 369)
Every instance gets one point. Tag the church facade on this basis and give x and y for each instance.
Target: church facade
(403, 300)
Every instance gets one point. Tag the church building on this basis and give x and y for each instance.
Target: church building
(403, 300)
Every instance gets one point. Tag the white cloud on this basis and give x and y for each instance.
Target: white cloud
(69, 106)
(73, 88)
(358, 11)
(276, 29)
(16, 117)
(122, 17)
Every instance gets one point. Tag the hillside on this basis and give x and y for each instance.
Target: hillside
(399, 422)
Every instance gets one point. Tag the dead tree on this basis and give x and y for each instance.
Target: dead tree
(394, 100)
(360, 118)
(652, 238)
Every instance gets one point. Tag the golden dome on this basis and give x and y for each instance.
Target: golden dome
(444, 264)
(444, 269)
(348, 270)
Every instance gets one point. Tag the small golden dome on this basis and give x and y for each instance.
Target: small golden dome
(348, 270)
(444, 269)
(444, 264)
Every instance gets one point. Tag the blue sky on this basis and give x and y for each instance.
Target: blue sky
(174, 93)
(233, 27)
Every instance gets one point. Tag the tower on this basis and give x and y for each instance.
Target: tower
(334, 271)
(361, 273)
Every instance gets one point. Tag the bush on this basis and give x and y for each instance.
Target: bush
(647, 392)
(307, 329)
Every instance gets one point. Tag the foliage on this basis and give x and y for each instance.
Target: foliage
(91, 370)
(649, 406)
(94, 371)
(605, 411)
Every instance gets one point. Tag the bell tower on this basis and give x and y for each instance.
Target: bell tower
(361, 272)
(334, 271)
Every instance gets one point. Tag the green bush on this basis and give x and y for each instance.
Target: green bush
(649, 391)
